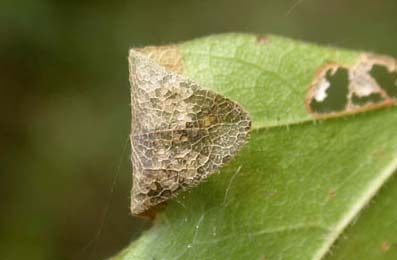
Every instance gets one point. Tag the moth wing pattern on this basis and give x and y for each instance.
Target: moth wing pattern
(180, 133)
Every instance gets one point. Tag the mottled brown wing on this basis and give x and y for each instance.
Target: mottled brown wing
(180, 133)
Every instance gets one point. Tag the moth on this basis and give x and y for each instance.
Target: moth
(181, 133)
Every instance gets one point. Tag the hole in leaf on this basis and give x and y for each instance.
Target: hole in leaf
(386, 79)
(373, 98)
(336, 93)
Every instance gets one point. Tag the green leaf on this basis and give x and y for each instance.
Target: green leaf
(297, 185)
(373, 235)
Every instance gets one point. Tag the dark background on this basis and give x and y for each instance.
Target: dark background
(64, 102)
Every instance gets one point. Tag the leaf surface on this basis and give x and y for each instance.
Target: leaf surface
(298, 183)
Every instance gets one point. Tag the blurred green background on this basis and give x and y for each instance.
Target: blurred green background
(64, 102)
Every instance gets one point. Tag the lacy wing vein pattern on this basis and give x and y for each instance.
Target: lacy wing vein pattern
(180, 133)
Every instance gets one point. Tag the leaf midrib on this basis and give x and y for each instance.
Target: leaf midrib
(368, 194)
(372, 189)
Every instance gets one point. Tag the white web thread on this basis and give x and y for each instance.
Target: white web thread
(293, 7)
(93, 242)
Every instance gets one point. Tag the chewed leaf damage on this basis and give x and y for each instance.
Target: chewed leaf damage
(338, 89)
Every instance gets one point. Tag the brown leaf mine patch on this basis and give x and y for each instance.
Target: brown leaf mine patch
(262, 39)
(339, 90)
(385, 246)
(167, 56)
(180, 133)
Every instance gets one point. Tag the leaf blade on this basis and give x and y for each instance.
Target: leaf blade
(295, 186)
